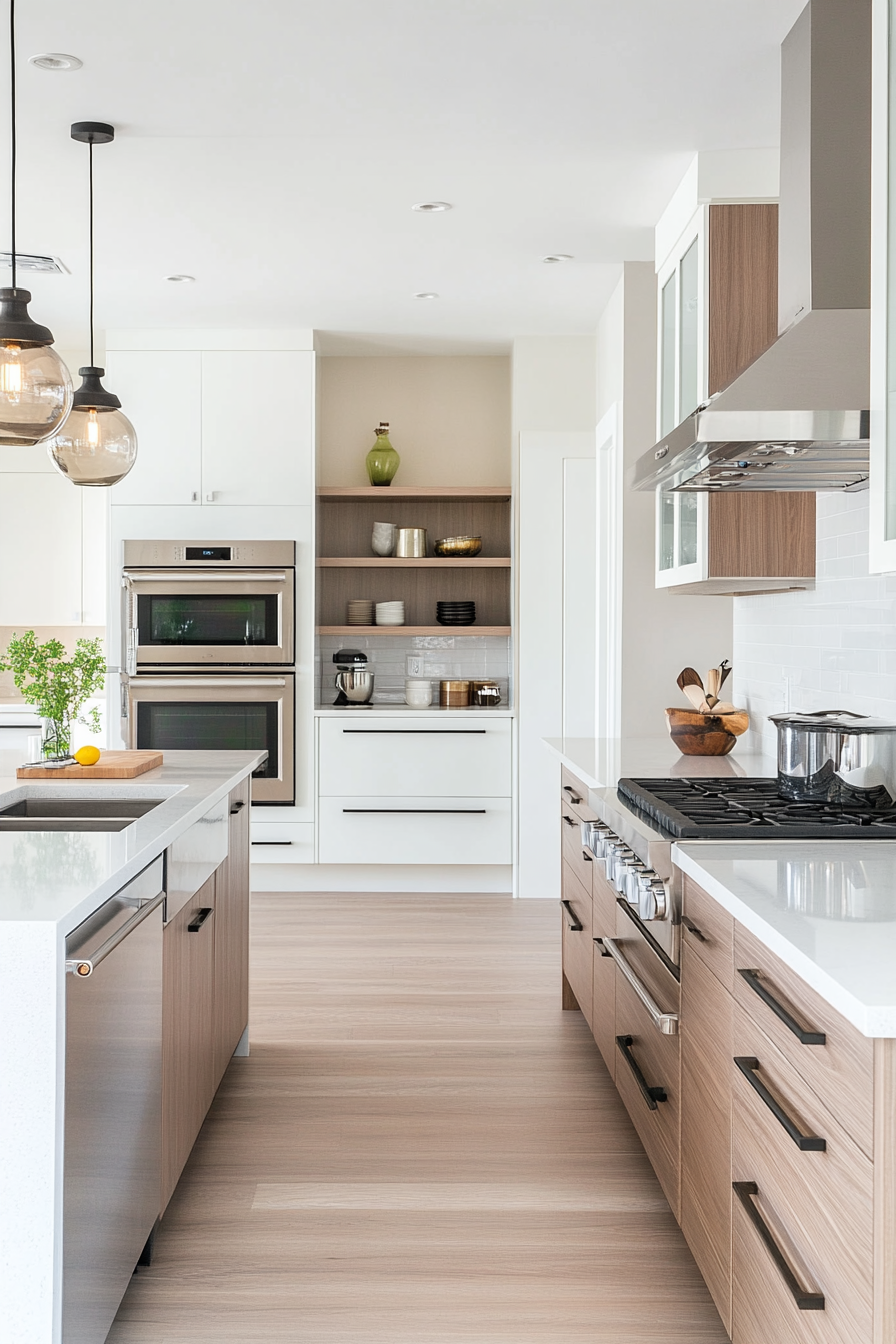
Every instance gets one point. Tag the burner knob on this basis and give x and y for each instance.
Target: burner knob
(622, 855)
(612, 845)
(631, 881)
(601, 835)
(653, 898)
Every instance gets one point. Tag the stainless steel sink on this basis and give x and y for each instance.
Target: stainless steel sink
(75, 814)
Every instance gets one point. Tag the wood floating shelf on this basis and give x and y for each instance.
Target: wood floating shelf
(459, 492)
(413, 630)
(429, 562)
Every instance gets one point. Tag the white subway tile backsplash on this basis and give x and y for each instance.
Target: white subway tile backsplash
(834, 648)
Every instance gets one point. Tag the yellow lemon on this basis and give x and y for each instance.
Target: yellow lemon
(87, 755)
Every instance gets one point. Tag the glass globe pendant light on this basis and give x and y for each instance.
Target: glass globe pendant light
(35, 385)
(97, 445)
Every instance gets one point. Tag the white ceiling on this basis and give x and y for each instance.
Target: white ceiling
(274, 150)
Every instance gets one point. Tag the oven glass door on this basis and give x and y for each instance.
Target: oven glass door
(204, 713)
(205, 617)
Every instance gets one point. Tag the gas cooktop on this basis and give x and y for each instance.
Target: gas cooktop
(750, 809)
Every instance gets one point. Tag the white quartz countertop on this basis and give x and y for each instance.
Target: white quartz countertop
(600, 762)
(828, 911)
(60, 877)
(387, 711)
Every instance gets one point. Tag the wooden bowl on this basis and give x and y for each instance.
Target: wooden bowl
(696, 734)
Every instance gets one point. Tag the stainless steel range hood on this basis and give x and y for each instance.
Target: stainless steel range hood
(797, 418)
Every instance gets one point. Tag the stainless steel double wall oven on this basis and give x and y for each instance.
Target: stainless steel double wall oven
(209, 652)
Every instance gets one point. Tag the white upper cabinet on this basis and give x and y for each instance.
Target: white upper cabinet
(161, 394)
(40, 550)
(682, 323)
(882, 497)
(217, 427)
(257, 426)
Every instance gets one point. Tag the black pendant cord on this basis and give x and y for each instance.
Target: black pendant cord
(90, 148)
(12, 95)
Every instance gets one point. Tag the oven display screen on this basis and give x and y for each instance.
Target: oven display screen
(212, 726)
(206, 619)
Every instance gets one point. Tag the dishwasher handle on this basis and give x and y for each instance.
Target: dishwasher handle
(82, 967)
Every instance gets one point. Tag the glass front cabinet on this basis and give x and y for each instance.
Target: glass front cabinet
(882, 495)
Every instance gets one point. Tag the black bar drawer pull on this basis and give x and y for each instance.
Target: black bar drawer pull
(572, 918)
(200, 918)
(237, 807)
(573, 796)
(569, 821)
(693, 930)
(753, 979)
(807, 1143)
(603, 950)
(419, 811)
(271, 844)
(408, 732)
(745, 1190)
(651, 1095)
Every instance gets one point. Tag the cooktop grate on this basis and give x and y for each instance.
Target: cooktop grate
(750, 809)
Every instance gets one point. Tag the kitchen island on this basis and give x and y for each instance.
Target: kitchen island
(51, 882)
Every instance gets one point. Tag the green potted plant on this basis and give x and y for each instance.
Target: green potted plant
(57, 685)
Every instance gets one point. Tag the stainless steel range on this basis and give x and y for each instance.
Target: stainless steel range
(643, 818)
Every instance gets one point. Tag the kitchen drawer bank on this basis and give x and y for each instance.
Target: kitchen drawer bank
(783, 1174)
(418, 789)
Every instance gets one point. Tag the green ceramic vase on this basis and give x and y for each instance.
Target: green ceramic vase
(382, 460)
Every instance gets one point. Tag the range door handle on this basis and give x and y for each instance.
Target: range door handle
(806, 1301)
(754, 980)
(82, 967)
(652, 1095)
(667, 1023)
(807, 1143)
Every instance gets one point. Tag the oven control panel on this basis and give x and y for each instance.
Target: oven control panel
(212, 552)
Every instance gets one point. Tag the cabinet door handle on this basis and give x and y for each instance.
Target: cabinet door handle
(693, 930)
(572, 919)
(745, 1191)
(269, 844)
(409, 732)
(237, 807)
(200, 918)
(753, 979)
(667, 1023)
(573, 796)
(569, 821)
(651, 1095)
(419, 811)
(807, 1143)
(603, 950)
(586, 856)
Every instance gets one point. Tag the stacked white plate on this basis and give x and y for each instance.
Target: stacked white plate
(390, 613)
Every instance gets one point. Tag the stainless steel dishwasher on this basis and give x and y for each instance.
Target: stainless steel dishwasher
(113, 1086)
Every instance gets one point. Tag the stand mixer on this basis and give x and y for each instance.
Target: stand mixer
(354, 680)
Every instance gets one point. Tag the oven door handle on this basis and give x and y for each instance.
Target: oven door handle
(205, 576)
(188, 683)
(667, 1023)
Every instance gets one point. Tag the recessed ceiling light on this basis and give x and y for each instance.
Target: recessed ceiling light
(55, 60)
(557, 256)
(181, 279)
(425, 295)
(432, 207)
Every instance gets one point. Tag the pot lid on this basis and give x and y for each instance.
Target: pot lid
(841, 720)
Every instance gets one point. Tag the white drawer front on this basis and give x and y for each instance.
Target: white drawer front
(282, 842)
(386, 759)
(414, 830)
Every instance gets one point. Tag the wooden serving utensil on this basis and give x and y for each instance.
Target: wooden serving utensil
(713, 684)
(688, 677)
(697, 698)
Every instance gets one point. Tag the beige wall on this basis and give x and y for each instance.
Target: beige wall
(449, 417)
(68, 634)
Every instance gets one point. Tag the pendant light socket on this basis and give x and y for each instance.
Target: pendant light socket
(91, 395)
(16, 326)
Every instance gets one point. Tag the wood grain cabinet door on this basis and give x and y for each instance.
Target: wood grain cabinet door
(706, 1052)
(188, 1082)
(575, 907)
(232, 934)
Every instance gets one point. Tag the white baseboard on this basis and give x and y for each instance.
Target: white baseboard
(460, 877)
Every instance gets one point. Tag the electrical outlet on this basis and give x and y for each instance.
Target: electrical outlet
(414, 665)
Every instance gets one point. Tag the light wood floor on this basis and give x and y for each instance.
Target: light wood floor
(420, 1149)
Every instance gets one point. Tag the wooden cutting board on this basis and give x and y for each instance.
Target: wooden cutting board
(111, 765)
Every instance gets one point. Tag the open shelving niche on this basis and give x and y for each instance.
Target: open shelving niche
(346, 568)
